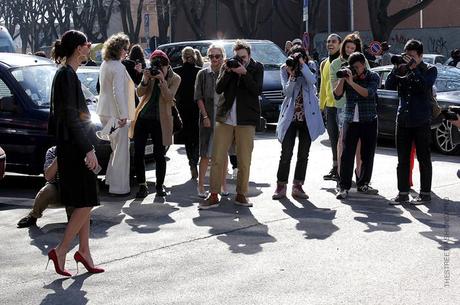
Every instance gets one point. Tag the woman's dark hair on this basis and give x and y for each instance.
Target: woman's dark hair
(137, 53)
(350, 38)
(414, 45)
(299, 49)
(63, 48)
(355, 57)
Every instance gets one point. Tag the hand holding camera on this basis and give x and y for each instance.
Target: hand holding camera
(403, 63)
(235, 64)
(294, 64)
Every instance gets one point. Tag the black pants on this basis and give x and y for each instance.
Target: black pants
(421, 137)
(287, 147)
(333, 131)
(143, 130)
(352, 133)
(192, 149)
(234, 161)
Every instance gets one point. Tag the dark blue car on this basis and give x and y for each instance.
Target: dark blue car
(25, 92)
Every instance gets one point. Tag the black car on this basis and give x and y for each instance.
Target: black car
(25, 92)
(448, 93)
(263, 51)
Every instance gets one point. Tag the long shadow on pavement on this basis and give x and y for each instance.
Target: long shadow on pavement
(443, 219)
(69, 296)
(379, 215)
(148, 217)
(315, 222)
(235, 226)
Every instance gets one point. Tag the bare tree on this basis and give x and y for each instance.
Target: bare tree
(290, 13)
(8, 17)
(166, 16)
(381, 24)
(195, 11)
(246, 15)
(130, 27)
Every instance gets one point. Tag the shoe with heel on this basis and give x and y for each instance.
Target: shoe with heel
(80, 259)
(52, 255)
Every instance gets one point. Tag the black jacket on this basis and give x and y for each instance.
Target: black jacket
(416, 94)
(245, 89)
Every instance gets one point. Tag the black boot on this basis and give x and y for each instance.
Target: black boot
(143, 191)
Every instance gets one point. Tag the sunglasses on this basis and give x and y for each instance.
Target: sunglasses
(216, 56)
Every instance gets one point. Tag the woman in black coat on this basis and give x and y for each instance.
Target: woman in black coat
(70, 120)
(188, 108)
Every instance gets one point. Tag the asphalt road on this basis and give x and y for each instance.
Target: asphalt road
(316, 251)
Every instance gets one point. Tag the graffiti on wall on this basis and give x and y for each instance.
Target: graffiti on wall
(434, 40)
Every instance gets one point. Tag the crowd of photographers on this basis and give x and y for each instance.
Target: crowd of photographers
(219, 105)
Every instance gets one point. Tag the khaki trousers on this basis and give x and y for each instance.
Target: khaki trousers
(224, 135)
(49, 194)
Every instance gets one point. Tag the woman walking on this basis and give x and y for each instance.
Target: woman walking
(300, 117)
(116, 107)
(70, 120)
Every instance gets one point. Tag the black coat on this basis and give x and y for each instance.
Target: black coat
(187, 106)
(70, 121)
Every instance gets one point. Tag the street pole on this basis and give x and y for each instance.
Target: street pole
(170, 20)
(329, 16)
(352, 16)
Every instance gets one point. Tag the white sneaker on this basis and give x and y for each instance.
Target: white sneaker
(201, 194)
(342, 194)
(235, 173)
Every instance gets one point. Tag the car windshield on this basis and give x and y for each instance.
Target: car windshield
(36, 82)
(89, 79)
(448, 79)
(267, 53)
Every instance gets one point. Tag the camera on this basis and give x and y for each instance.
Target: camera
(342, 73)
(451, 113)
(403, 67)
(233, 62)
(155, 67)
(293, 62)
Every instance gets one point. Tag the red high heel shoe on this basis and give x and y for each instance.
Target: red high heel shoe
(52, 255)
(80, 259)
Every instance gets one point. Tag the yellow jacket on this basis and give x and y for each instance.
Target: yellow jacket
(326, 96)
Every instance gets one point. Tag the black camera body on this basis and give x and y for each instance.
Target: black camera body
(451, 112)
(234, 62)
(403, 67)
(342, 73)
(155, 67)
(293, 62)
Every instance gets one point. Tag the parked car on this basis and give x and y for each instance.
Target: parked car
(25, 93)
(448, 93)
(434, 59)
(2, 163)
(88, 77)
(6, 42)
(264, 51)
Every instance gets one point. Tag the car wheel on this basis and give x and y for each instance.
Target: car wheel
(442, 138)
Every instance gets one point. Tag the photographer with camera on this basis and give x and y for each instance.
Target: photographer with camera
(300, 116)
(238, 113)
(360, 123)
(154, 119)
(414, 81)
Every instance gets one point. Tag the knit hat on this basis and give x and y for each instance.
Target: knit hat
(159, 53)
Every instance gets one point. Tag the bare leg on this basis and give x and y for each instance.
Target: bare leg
(339, 149)
(77, 220)
(224, 176)
(83, 247)
(358, 158)
(204, 163)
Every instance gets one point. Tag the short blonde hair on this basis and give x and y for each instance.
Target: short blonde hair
(217, 47)
(188, 55)
(112, 47)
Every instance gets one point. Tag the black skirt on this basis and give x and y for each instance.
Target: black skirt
(78, 185)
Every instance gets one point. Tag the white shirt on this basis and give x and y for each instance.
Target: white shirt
(356, 114)
(231, 118)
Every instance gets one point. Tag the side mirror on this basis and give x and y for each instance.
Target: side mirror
(8, 104)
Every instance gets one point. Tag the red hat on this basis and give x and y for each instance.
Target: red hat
(159, 53)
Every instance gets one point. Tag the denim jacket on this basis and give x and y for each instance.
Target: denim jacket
(291, 89)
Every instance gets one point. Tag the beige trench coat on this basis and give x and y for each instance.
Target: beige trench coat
(168, 91)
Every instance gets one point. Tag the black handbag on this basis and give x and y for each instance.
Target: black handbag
(177, 120)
